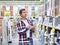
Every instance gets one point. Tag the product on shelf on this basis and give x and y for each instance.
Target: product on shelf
(6, 13)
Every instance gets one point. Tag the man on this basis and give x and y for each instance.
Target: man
(23, 25)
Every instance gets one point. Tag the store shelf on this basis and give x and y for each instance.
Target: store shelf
(19, 2)
(50, 26)
(58, 28)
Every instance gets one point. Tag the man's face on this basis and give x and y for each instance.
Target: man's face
(24, 14)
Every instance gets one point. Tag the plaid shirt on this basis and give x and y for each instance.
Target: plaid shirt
(21, 26)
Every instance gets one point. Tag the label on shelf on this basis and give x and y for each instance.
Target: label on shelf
(53, 29)
(7, 13)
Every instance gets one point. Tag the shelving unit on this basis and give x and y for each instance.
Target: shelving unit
(49, 18)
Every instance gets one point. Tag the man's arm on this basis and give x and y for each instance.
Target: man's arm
(21, 28)
(32, 28)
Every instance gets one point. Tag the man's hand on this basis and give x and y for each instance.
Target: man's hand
(33, 29)
(28, 26)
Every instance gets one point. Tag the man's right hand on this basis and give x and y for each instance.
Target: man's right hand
(28, 26)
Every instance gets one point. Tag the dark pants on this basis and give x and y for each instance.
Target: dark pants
(30, 39)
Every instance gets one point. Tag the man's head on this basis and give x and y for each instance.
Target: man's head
(22, 13)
